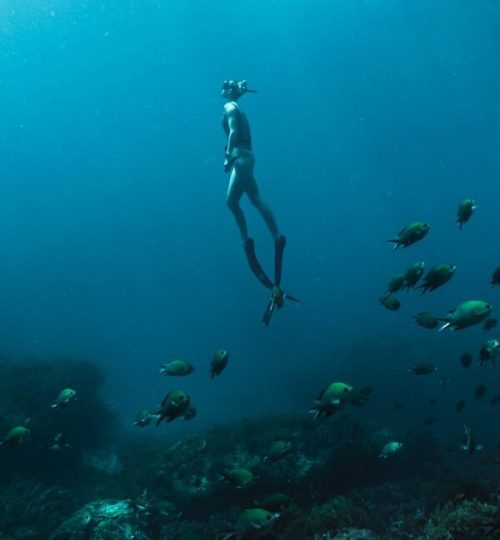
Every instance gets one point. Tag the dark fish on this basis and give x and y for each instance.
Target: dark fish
(480, 391)
(433, 401)
(426, 320)
(219, 362)
(360, 397)
(466, 360)
(413, 274)
(465, 210)
(489, 351)
(466, 314)
(495, 399)
(274, 502)
(429, 420)
(489, 324)
(459, 407)
(437, 277)
(495, 278)
(390, 302)
(396, 283)
(410, 234)
(422, 368)
(470, 445)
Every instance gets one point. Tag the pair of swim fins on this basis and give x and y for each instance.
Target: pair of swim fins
(277, 294)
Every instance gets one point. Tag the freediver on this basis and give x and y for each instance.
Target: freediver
(239, 162)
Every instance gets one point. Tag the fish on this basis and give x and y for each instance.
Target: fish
(489, 351)
(277, 451)
(437, 277)
(495, 399)
(390, 449)
(390, 302)
(466, 360)
(489, 324)
(60, 442)
(274, 502)
(410, 234)
(176, 368)
(466, 314)
(219, 362)
(465, 211)
(143, 418)
(15, 437)
(426, 320)
(239, 477)
(413, 274)
(252, 523)
(360, 397)
(174, 405)
(470, 445)
(459, 407)
(422, 368)
(332, 399)
(65, 396)
(396, 283)
(190, 413)
(495, 278)
(480, 391)
(164, 508)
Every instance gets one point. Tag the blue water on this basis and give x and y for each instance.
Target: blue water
(116, 245)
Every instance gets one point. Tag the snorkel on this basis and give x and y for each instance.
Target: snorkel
(235, 89)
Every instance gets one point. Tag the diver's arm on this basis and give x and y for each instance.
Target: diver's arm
(232, 123)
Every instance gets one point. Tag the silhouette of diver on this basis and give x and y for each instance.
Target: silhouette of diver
(239, 162)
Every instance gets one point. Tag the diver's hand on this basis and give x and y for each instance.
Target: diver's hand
(228, 162)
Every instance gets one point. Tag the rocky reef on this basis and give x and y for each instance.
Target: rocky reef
(320, 480)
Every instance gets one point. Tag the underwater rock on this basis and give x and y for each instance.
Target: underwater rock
(104, 520)
(355, 534)
(103, 461)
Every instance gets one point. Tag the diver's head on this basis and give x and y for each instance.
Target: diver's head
(233, 90)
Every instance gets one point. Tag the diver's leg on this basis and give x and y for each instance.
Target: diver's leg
(279, 239)
(234, 193)
(265, 211)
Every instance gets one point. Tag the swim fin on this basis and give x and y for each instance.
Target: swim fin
(266, 319)
(279, 248)
(249, 246)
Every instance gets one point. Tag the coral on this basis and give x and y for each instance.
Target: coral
(29, 504)
(470, 520)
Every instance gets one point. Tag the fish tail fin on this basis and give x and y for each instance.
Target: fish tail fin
(316, 412)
